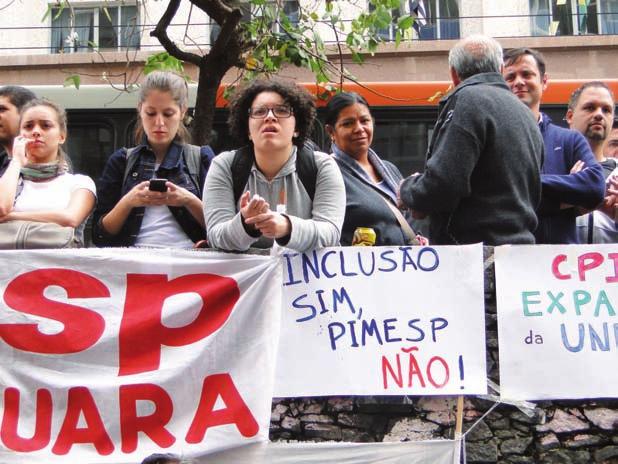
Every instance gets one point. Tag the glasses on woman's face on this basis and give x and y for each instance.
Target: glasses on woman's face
(279, 111)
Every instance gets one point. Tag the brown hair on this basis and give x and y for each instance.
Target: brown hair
(61, 117)
(513, 55)
(176, 86)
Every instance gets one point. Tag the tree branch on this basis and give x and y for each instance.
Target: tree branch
(216, 9)
(230, 21)
(160, 32)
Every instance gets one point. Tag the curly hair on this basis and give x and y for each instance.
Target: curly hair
(297, 97)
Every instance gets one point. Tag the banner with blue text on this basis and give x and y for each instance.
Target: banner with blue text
(383, 320)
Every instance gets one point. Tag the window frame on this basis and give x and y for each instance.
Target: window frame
(95, 9)
(434, 20)
(575, 22)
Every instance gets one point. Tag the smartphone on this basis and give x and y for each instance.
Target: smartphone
(157, 185)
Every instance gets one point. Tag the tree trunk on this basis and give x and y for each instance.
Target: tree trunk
(205, 103)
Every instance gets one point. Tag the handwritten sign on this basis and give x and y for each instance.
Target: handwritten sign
(382, 320)
(557, 323)
(107, 356)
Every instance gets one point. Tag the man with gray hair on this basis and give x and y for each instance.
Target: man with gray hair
(482, 176)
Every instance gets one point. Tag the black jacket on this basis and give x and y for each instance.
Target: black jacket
(482, 179)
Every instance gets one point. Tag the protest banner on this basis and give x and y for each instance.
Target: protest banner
(383, 320)
(411, 452)
(107, 356)
(557, 324)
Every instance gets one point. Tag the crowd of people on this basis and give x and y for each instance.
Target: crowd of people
(498, 170)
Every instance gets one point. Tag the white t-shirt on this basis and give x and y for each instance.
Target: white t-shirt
(161, 230)
(52, 194)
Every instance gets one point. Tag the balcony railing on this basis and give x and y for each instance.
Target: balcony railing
(29, 40)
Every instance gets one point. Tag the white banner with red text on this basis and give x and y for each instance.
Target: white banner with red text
(557, 322)
(383, 320)
(110, 355)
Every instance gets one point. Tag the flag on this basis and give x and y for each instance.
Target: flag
(417, 7)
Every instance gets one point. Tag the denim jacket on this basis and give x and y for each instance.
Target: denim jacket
(111, 189)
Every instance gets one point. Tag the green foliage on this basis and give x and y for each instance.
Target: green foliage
(163, 61)
(73, 81)
(277, 41)
(106, 12)
(50, 8)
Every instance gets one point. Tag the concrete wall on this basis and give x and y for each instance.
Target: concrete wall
(577, 432)
(578, 57)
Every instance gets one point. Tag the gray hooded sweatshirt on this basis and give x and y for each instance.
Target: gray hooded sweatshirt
(315, 224)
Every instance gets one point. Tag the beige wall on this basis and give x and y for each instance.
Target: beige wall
(579, 57)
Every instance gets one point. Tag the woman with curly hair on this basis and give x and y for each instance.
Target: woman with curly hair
(276, 188)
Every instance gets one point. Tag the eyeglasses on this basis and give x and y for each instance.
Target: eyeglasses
(279, 111)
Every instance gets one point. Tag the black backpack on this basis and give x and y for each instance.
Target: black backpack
(306, 169)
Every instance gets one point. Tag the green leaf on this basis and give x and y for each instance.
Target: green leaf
(73, 81)
(405, 22)
(372, 45)
(357, 57)
(383, 18)
(109, 18)
(47, 13)
(163, 61)
(397, 37)
(61, 8)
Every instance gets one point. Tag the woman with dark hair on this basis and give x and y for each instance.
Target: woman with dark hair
(37, 185)
(150, 195)
(370, 182)
(276, 188)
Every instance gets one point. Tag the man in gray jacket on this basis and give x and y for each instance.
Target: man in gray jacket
(482, 176)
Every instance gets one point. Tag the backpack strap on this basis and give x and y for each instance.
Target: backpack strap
(306, 169)
(131, 157)
(193, 160)
(241, 168)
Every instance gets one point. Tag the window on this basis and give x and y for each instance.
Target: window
(440, 19)
(608, 13)
(572, 17)
(100, 27)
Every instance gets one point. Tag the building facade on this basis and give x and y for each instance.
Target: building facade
(107, 40)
